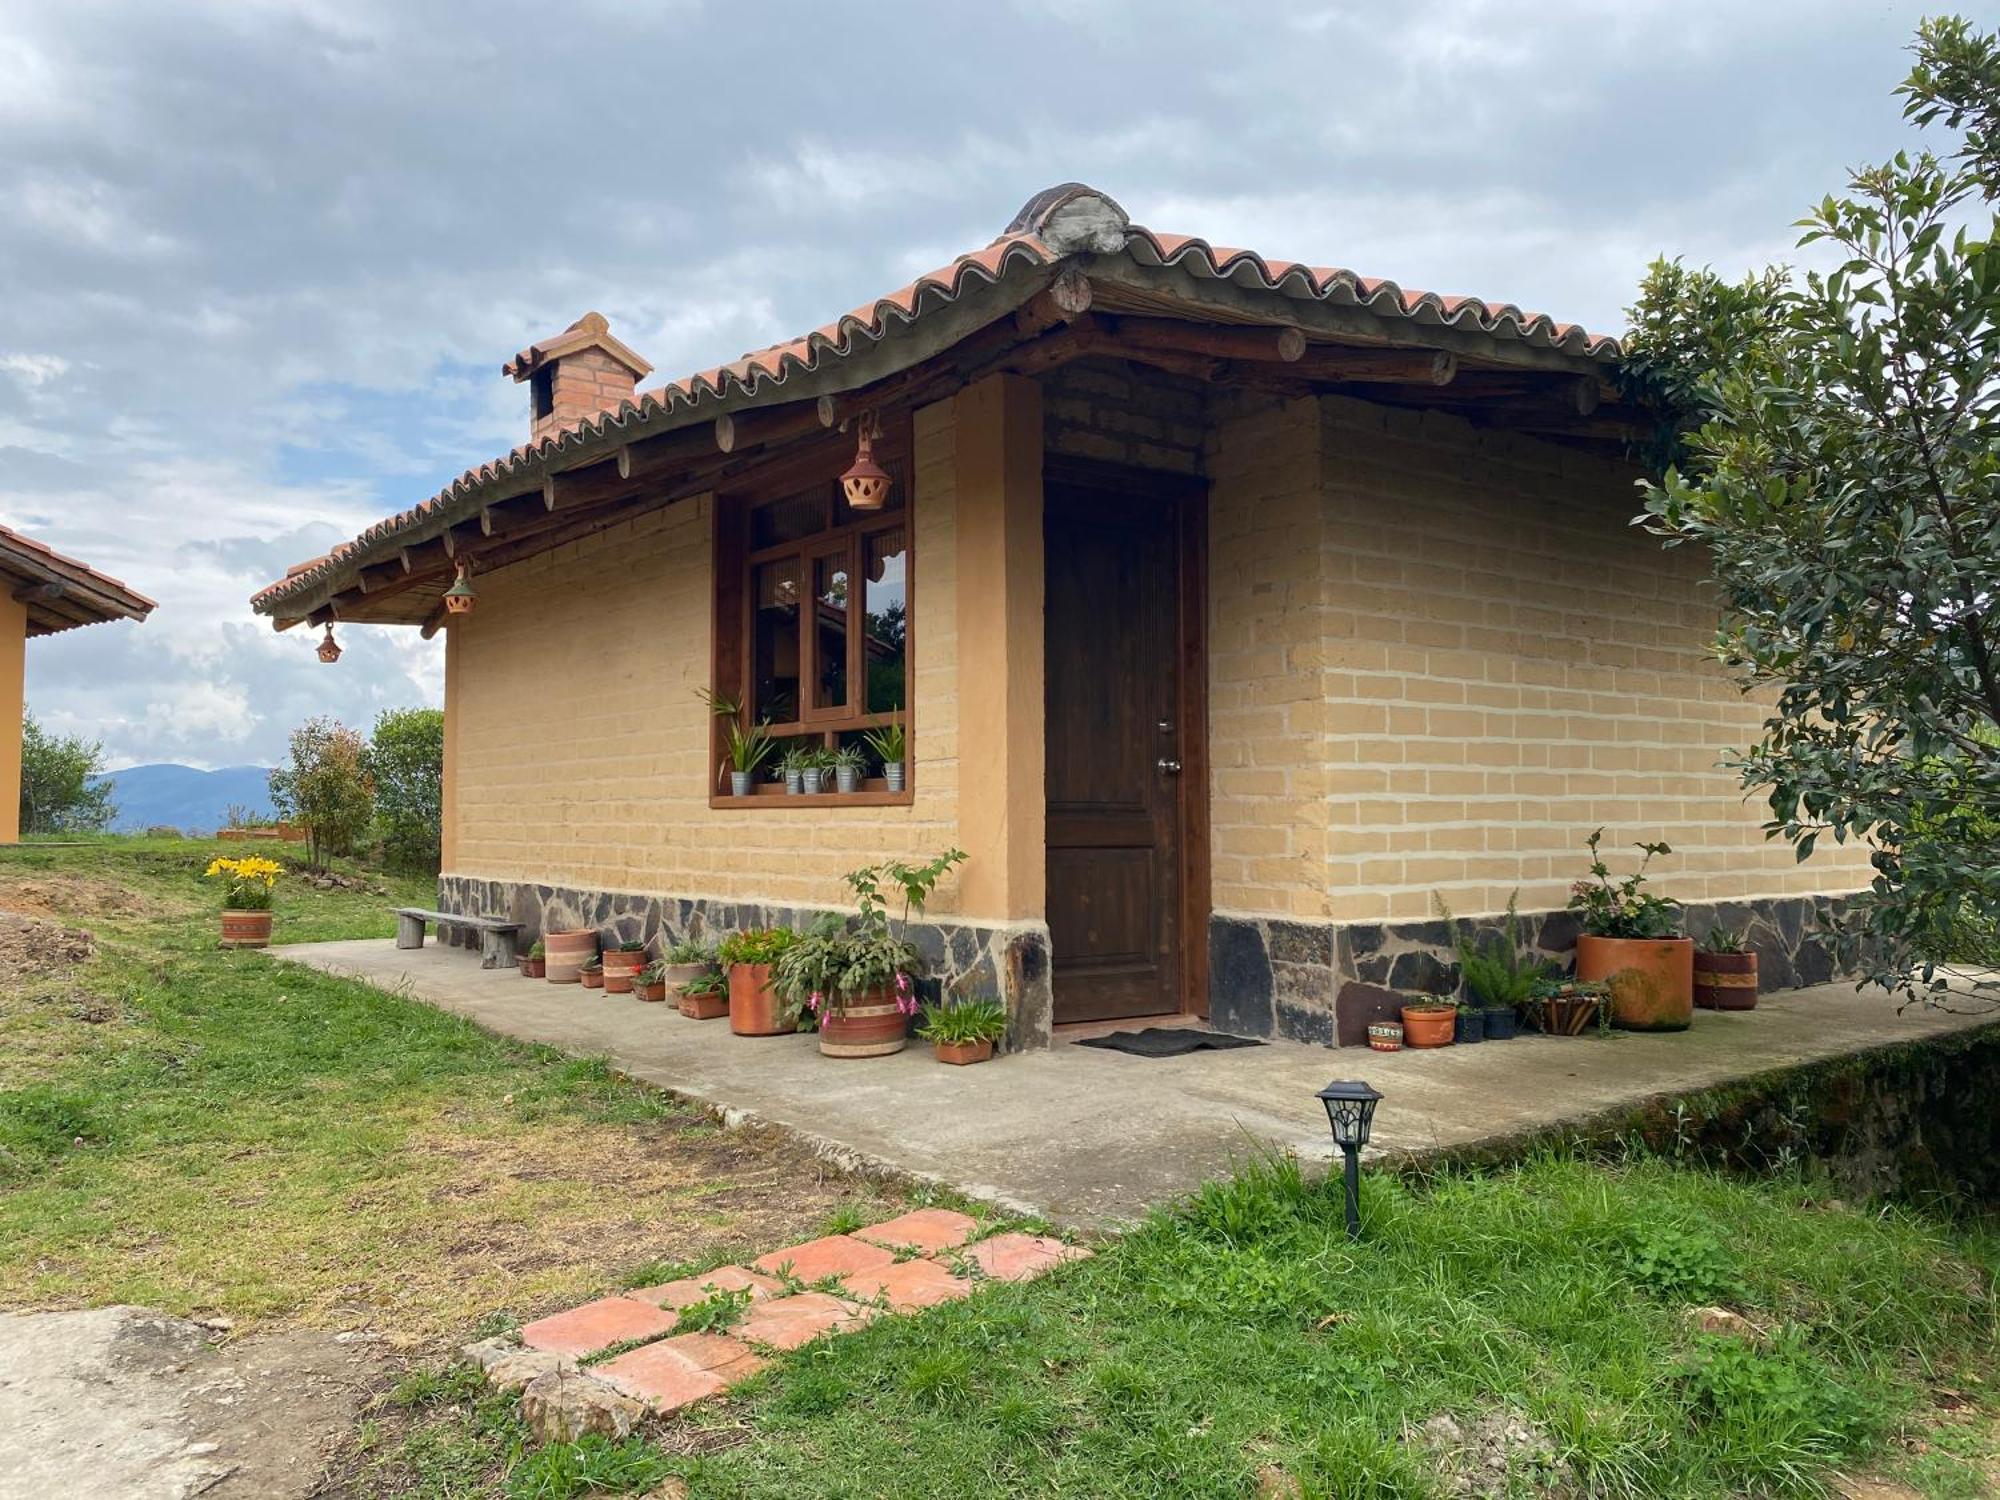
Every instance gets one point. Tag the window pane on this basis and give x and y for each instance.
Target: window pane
(886, 620)
(789, 519)
(775, 664)
(830, 613)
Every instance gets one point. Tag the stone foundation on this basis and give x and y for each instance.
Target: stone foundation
(1274, 977)
(963, 958)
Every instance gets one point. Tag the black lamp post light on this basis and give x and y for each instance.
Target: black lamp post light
(1350, 1110)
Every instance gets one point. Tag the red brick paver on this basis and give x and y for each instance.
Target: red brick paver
(1022, 1257)
(909, 1286)
(683, 1369)
(835, 1255)
(597, 1325)
(787, 1322)
(692, 1289)
(926, 1230)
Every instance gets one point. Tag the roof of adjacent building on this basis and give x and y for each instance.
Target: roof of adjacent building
(60, 592)
(1070, 223)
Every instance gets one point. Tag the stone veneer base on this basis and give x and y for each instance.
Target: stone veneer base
(971, 958)
(1269, 976)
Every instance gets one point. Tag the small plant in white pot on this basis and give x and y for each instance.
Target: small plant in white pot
(812, 776)
(848, 764)
(792, 767)
(891, 746)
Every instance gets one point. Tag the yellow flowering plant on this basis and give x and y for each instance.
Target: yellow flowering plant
(250, 881)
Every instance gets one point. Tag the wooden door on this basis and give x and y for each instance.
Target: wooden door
(1115, 751)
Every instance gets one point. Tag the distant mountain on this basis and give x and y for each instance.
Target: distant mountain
(182, 797)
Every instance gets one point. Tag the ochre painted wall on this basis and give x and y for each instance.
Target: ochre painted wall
(1444, 662)
(13, 681)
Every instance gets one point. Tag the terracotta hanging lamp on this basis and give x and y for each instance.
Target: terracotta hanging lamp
(329, 648)
(866, 483)
(459, 598)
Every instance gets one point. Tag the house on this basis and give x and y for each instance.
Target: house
(1235, 609)
(42, 592)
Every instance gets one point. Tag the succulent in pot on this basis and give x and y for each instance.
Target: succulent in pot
(891, 746)
(963, 1029)
(706, 996)
(1632, 941)
(1429, 1020)
(1564, 1007)
(1725, 970)
(859, 981)
(848, 764)
(754, 1006)
(535, 962)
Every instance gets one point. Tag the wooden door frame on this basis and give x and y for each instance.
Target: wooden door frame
(1188, 494)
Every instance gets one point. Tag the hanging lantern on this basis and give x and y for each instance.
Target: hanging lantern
(866, 483)
(459, 598)
(329, 648)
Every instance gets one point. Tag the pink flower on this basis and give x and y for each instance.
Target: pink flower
(815, 1001)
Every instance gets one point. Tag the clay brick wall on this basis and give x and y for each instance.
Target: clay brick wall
(584, 384)
(1484, 663)
(580, 754)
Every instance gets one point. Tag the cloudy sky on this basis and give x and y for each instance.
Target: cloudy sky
(263, 258)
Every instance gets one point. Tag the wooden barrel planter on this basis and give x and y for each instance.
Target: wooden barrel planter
(565, 954)
(754, 1007)
(1725, 981)
(1651, 979)
(871, 1025)
(246, 929)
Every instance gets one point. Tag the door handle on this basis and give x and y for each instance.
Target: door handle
(1167, 767)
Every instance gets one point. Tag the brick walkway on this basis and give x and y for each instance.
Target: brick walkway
(902, 1265)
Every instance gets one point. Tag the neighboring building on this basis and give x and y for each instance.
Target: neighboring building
(1234, 607)
(42, 592)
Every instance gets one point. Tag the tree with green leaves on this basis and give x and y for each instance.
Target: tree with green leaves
(1834, 440)
(326, 785)
(60, 789)
(406, 760)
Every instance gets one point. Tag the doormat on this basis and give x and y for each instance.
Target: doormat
(1168, 1041)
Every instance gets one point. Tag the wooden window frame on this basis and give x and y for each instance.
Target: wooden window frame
(734, 607)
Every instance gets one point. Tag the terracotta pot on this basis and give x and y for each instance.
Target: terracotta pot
(1385, 1036)
(657, 990)
(534, 968)
(754, 1009)
(619, 982)
(246, 929)
(703, 1007)
(1429, 1028)
(567, 953)
(959, 1054)
(1725, 981)
(624, 960)
(870, 1025)
(592, 979)
(1651, 979)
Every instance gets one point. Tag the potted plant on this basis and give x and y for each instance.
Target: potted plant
(813, 768)
(1428, 1020)
(754, 1007)
(652, 981)
(535, 962)
(706, 996)
(1631, 941)
(622, 963)
(1469, 1024)
(1725, 971)
(963, 1029)
(591, 975)
(891, 746)
(247, 887)
(848, 764)
(566, 954)
(687, 959)
(744, 750)
(1499, 974)
(1563, 1007)
(792, 767)
(860, 982)
(1385, 1036)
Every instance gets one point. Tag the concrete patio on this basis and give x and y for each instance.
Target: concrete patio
(1090, 1137)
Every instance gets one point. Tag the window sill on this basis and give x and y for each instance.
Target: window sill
(771, 795)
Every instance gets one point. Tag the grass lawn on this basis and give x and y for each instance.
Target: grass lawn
(213, 1132)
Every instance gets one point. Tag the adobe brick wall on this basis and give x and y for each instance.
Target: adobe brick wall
(581, 756)
(1115, 412)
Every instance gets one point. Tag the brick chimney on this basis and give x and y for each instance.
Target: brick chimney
(580, 372)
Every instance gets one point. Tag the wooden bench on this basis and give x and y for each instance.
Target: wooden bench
(496, 936)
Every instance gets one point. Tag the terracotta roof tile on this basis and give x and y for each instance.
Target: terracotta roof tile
(1055, 224)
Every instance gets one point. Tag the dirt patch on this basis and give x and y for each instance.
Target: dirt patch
(81, 897)
(1493, 1455)
(30, 948)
